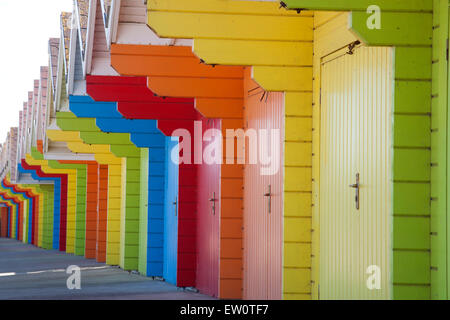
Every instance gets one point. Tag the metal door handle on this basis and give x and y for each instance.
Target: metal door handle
(213, 201)
(356, 186)
(176, 206)
(269, 196)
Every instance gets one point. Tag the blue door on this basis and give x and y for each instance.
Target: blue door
(171, 213)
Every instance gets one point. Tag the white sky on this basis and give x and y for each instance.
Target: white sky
(25, 27)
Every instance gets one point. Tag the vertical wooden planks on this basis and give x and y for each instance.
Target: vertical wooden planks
(263, 229)
(114, 212)
(171, 212)
(102, 212)
(80, 217)
(4, 221)
(91, 211)
(143, 214)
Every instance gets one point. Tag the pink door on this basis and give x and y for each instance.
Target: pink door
(263, 195)
(208, 221)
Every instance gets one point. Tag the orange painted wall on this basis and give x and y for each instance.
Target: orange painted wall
(40, 146)
(4, 222)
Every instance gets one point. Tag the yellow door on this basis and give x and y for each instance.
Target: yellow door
(355, 141)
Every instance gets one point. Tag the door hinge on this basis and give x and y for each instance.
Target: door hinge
(446, 52)
(352, 46)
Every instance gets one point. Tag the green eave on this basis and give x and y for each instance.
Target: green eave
(403, 22)
(56, 165)
(67, 121)
(362, 5)
(125, 151)
(105, 138)
(36, 154)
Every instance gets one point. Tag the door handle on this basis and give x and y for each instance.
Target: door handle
(269, 196)
(356, 186)
(175, 203)
(213, 201)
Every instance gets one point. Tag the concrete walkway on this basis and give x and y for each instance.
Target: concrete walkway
(28, 272)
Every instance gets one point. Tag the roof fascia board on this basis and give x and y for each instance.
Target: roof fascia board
(72, 56)
(92, 16)
(113, 22)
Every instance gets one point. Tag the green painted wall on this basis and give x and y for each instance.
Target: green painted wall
(80, 217)
(439, 154)
(47, 240)
(130, 202)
